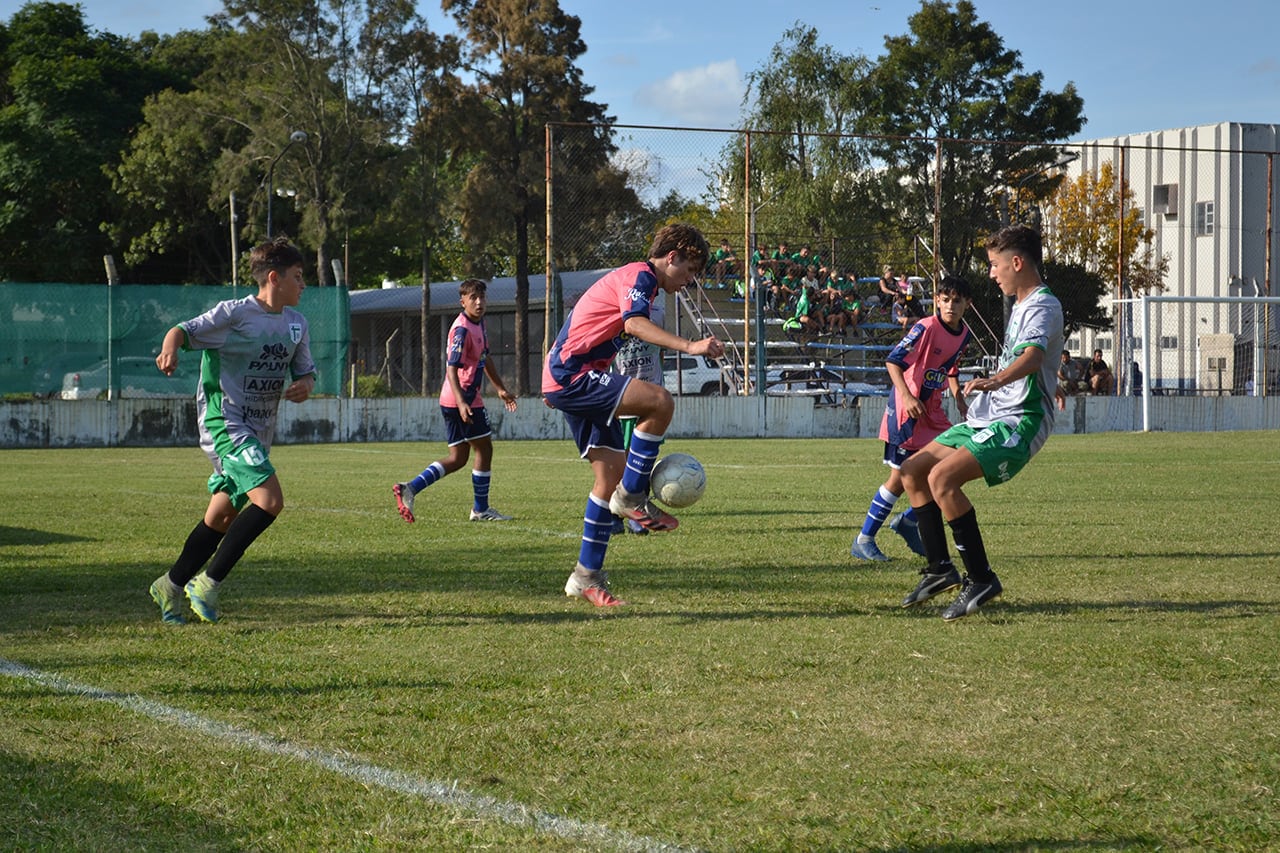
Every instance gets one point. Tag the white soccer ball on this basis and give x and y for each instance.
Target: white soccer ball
(678, 480)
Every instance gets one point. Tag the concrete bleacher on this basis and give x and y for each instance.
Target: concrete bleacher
(854, 361)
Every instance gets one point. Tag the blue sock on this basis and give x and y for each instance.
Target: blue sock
(641, 457)
(881, 506)
(480, 488)
(434, 472)
(909, 517)
(597, 524)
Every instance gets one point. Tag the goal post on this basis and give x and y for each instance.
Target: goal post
(1203, 346)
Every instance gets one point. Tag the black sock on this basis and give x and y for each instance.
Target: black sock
(247, 527)
(969, 544)
(934, 537)
(202, 541)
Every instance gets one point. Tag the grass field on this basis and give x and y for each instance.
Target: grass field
(380, 686)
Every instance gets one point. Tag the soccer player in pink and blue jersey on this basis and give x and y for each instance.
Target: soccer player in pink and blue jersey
(578, 381)
(921, 366)
(466, 422)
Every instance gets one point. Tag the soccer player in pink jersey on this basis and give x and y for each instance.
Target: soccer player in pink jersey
(466, 422)
(921, 366)
(577, 380)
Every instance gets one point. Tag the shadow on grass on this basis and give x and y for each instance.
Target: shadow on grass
(50, 805)
(1134, 842)
(29, 536)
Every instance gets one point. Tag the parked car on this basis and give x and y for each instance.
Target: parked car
(135, 377)
(822, 383)
(697, 375)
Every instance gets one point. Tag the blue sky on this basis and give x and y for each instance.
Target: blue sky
(1140, 65)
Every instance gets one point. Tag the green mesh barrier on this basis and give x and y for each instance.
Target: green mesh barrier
(85, 339)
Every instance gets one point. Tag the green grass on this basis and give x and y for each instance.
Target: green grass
(762, 691)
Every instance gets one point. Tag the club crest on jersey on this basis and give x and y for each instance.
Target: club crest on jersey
(295, 332)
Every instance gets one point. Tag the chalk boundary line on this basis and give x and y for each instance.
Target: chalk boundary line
(441, 793)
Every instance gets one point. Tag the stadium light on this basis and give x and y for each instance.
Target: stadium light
(296, 136)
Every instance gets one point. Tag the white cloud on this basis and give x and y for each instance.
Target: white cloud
(707, 96)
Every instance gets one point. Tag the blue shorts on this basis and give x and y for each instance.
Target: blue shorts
(458, 431)
(589, 405)
(895, 455)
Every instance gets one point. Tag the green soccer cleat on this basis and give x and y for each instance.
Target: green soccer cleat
(165, 593)
(203, 595)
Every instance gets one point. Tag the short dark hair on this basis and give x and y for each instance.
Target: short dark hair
(278, 254)
(472, 285)
(681, 238)
(956, 285)
(1019, 239)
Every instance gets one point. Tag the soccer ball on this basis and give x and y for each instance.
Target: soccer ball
(678, 480)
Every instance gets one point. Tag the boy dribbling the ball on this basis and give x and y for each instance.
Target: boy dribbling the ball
(577, 380)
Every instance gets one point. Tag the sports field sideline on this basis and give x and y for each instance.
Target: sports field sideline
(375, 685)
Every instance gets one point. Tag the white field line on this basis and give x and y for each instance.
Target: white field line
(442, 793)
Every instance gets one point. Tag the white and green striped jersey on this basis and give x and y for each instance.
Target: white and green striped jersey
(249, 356)
(1034, 322)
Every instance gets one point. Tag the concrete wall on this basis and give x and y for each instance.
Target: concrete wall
(161, 423)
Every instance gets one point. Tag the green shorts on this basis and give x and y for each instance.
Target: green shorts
(1000, 450)
(241, 471)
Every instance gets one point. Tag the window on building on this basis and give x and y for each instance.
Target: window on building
(1204, 218)
(1164, 199)
(1103, 344)
(1168, 342)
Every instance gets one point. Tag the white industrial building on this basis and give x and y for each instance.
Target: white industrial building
(1210, 195)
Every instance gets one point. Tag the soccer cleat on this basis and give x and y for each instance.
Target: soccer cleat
(489, 514)
(932, 584)
(165, 593)
(641, 510)
(203, 595)
(593, 586)
(404, 500)
(909, 531)
(973, 594)
(867, 551)
(633, 526)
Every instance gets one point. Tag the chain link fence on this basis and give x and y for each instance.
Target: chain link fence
(1179, 213)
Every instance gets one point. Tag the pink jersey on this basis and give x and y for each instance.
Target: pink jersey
(593, 332)
(928, 354)
(468, 350)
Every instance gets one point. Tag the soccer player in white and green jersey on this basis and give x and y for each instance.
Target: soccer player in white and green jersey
(254, 350)
(1007, 423)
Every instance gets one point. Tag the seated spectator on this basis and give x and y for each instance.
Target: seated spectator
(888, 286)
(810, 279)
(781, 259)
(1070, 375)
(1099, 375)
(724, 263)
(807, 318)
(906, 310)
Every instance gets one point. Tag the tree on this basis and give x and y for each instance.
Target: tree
(68, 101)
(952, 78)
(1081, 293)
(1086, 229)
(519, 57)
(808, 174)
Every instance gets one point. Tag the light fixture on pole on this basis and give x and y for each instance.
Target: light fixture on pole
(296, 136)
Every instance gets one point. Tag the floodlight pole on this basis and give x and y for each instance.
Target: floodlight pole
(296, 136)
